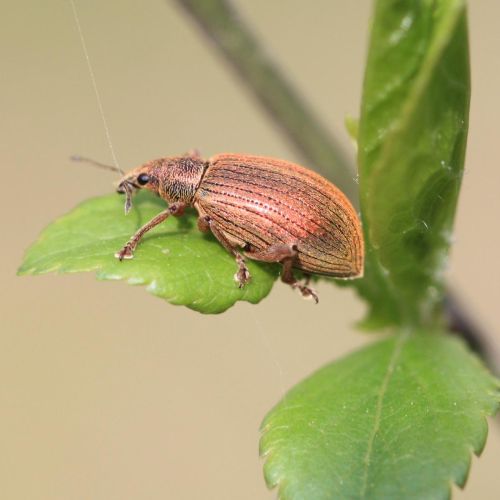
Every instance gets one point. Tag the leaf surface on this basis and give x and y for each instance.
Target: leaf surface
(397, 419)
(175, 260)
(412, 138)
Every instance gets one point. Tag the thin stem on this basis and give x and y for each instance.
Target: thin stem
(461, 322)
(232, 37)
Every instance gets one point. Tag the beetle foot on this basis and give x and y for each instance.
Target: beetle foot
(125, 253)
(307, 292)
(242, 277)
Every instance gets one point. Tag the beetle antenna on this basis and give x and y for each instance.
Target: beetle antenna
(83, 159)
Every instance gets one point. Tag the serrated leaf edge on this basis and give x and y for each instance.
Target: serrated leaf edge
(475, 448)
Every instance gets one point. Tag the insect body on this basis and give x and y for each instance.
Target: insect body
(257, 207)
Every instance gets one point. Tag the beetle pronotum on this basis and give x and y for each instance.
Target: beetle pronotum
(257, 207)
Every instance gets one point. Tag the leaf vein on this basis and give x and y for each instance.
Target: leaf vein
(378, 411)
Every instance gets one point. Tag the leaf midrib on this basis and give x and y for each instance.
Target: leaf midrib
(400, 341)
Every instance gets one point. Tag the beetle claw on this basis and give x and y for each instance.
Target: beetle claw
(307, 292)
(242, 277)
(124, 253)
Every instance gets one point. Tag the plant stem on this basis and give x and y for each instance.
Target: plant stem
(461, 323)
(232, 38)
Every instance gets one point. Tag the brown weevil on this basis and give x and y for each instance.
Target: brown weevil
(262, 208)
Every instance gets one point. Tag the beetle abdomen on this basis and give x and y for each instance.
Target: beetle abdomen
(261, 201)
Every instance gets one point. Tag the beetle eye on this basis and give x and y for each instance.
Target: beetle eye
(143, 179)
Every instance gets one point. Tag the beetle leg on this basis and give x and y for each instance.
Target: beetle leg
(242, 276)
(127, 252)
(287, 277)
(204, 224)
(286, 254)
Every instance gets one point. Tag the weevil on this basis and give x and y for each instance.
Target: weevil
(259, 208)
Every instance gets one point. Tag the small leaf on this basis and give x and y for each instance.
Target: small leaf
(412, 137)
(352, 126)
(398, 419)
(175, 260)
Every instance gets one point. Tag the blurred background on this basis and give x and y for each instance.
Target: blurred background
(109, 393)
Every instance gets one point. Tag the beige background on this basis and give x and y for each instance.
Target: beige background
(109, 393)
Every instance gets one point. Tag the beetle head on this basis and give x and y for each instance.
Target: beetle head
(173, 178)
(143, 177)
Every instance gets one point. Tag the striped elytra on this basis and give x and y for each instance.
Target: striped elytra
(258, 207)
(261, 201)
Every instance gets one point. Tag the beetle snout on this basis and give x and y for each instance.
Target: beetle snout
(124, 187)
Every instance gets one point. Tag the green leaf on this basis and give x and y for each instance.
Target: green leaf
(352, 127)
(175, 260)
(412, 138)
(398, 419)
